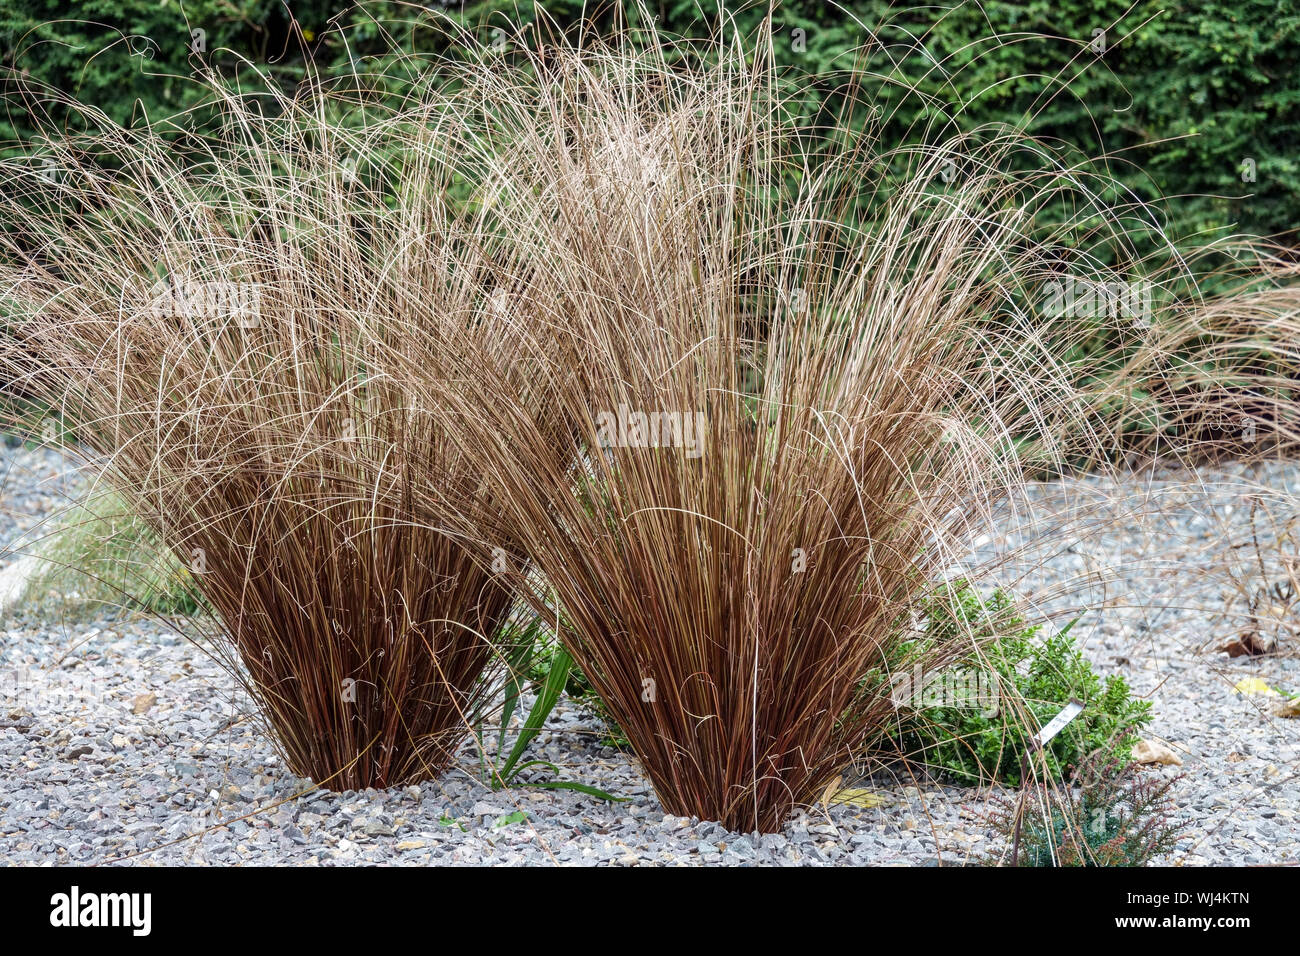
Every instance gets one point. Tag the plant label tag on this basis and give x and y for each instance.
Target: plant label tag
(1054, 726)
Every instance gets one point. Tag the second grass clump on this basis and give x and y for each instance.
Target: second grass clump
(782, 429)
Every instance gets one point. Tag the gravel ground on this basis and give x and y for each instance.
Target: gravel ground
(121, 742)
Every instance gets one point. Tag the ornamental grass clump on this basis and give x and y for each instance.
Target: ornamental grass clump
(205, 307)
(787, 421)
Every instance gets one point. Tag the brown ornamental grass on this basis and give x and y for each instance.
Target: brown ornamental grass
(205, 308)
(798, 382)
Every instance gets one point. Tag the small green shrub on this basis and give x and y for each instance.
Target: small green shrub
(1104, 818)
(1028, 679)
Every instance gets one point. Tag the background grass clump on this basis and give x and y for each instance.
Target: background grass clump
(100, 557)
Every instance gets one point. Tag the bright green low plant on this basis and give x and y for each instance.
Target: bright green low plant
(1021, 681)
(548, 668)
(552, 659)
(102, 556)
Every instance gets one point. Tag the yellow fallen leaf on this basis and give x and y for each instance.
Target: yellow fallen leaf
(1148, 751)
(832, 788)
(857, 797)
(1254, 687)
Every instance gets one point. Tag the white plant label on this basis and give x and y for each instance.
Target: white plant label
(1054, 726)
